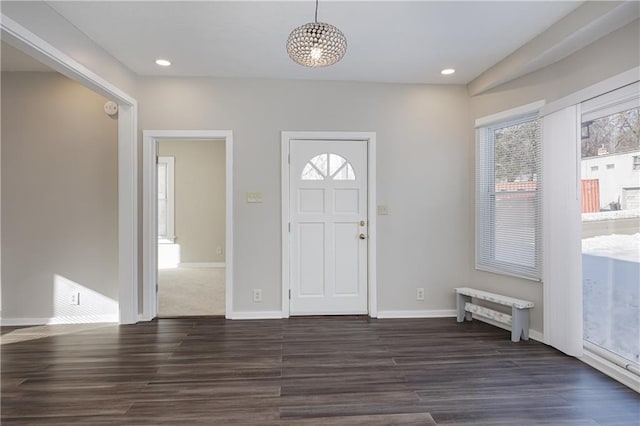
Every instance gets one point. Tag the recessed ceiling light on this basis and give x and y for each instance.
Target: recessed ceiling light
(163, 62)
(447, 71)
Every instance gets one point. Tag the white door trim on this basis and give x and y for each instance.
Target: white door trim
(26, 41)
(149, 213)
(370, 138)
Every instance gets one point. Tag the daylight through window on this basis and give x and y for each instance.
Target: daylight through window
(328, 165)
(508, 199)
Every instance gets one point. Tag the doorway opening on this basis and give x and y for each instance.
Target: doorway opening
(27, 42)
(187, 224)
(191, 227)
(328, 223)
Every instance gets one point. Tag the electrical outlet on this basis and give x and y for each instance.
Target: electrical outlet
(420, 294)
(219, 250)
(257, 295)
(74, 298)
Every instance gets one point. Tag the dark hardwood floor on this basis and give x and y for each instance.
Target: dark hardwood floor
(306, 371)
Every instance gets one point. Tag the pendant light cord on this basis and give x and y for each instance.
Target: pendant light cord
(316, 11)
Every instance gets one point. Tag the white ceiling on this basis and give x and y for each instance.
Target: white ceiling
(388, 41)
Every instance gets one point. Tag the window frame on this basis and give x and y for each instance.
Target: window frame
(485, 179)
(600, 356)
(170, 236)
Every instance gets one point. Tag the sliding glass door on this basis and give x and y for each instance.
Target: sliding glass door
(610, 186)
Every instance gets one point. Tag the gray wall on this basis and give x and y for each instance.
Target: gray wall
(199, 197)
(42, 20)
(611, 55)
(426, 156)
(423, 174)
(59, 199)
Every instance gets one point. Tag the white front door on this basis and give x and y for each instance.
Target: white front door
(328, 237)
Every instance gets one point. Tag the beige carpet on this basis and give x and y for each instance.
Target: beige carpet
(191, 291)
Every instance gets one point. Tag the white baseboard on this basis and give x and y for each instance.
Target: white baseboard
(533, 334)
(429, 313)
(242, 315)
(80, 319)
(256, 315)
(144, 318)
(253, 315)
(612, 370)
(203, 264)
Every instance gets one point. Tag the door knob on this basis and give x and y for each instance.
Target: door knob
(362, 236)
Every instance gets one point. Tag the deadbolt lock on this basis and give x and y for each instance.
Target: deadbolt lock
(362, 223)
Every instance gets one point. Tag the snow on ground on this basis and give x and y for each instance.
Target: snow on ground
(621, 247)
(611, 215)
(611, 293)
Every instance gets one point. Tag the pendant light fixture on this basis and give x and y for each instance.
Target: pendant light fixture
(316, 44)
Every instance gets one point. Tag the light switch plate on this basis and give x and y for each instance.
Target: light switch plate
(254, 197)
(383, 210)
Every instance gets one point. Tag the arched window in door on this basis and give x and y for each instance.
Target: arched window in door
(328, 166)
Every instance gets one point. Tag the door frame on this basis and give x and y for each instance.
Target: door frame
(150, 218)
(27, 42)
(370, 139)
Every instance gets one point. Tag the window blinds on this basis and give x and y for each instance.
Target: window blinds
(508, 197)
